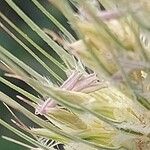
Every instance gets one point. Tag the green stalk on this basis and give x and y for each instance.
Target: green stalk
(33, 54)
(22, 65)
(62, 67)
(59, 50)
(20, 90)
(22, 135)
(44, 11)
(17, 142)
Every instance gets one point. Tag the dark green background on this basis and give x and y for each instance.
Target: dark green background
(6, 41)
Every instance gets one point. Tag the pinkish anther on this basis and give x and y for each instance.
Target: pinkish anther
(76, 82)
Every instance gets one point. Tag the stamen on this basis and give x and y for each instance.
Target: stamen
(76, 82)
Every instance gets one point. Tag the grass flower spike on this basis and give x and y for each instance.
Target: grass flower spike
(101, 99)
(76, 82)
